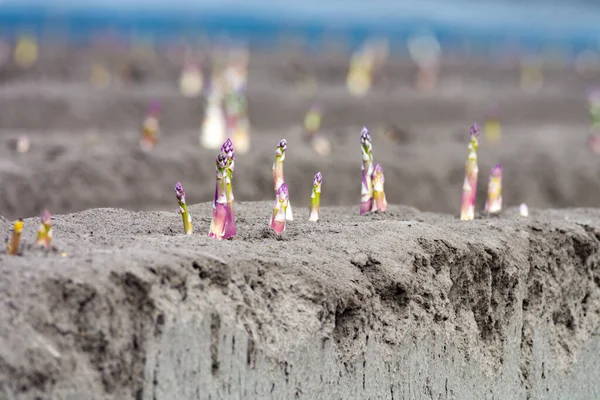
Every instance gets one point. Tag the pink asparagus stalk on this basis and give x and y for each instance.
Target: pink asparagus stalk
(187, 218)
(280, 209)
(379, 201)
(366, 201)
(220, 209)
(278, 173)
(227, 148)
(493, 203)
(467, 211)
(315, 198)
(44, 237)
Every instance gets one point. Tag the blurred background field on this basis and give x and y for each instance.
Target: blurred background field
(78, 83)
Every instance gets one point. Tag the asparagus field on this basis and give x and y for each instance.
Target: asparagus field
(130, 285)
(85, 140)
(402, 304)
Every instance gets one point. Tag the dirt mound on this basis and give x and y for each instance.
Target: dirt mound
(397, 305)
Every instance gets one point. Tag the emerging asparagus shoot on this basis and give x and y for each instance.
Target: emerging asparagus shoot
(315, 198)
(187, 218)
(230, 228)
(12, 245)
(278, 173)
(279, 209)
(379, 201)
(44, 236)
(467, 210)
(220, 209)
(493, 203)
(523, 210)
(366, 201)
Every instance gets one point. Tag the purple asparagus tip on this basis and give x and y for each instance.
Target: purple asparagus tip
(283, 144)
(222, 161)
(497, 170)
(179, 191)
(281, 148)
(282, 193)
(475, 130)
(228, 149)
(46, 217)
(365, 136)
(317, 179)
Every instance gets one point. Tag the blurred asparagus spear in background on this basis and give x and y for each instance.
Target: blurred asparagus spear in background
(312, 126)
(523, 210)
(532, 77)
(220, 209)
(12, 244)
(315, 197)
(230, 228)
(312, 121)
(492, 129)
(467, 210)
(280, 209)
(187, 218)
(44, 236)
(23, 144)
(213, 126)
(241, 134)
(594, 107)
(379, 201)
(191, 79)
(366, 201)
(278, 174)
(360, 72)
(593, 141)
(493, 203)
(150, 127)
(237, 124)
(236, 78)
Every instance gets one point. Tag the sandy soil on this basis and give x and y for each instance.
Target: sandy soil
(85, 141)
(408, 284)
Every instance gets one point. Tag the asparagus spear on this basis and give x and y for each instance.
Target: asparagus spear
(187, 218)
(467, 211)
(312, 121)
(150, 127)
(493, 203)
(279, 209)
(315, 197)
(213, 126)
(44, 236)
(12, 246)
(220, 210)
(366, 202)
(278, 173)
(379, 203)
(523, 210)
(230, 228)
